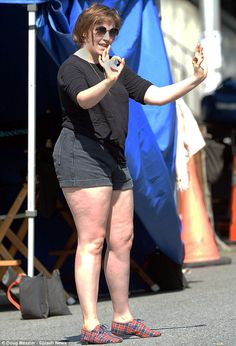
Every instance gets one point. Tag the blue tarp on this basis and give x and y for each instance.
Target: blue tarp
(151, 141)
(23, 2)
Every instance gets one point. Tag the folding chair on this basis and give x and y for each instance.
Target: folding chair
(16, 239)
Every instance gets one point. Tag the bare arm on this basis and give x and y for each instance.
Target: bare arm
(169, 93)
(90, 97)
(166, 94)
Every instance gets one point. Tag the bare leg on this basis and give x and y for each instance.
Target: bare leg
(90, 209)
(117, 259)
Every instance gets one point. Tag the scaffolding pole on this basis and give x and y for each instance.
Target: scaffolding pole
(211, 42)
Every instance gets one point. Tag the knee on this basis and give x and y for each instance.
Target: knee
(93, 247)
(123, 243)
(128, 235)
(127, 241)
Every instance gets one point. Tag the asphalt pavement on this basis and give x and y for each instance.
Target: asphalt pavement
(202, 315)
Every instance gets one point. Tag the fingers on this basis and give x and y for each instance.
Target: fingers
(122, 64)
(100, 60)
(113, 66)
(198, 47)
(108, 49)
(116, 57)
(199, 65)
(115, 63)
(105, 53)
(115, 60)
(198, 56)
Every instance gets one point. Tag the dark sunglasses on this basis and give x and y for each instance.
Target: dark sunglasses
(101, 31)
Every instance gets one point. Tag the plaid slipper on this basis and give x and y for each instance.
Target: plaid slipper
(99, 335)
(134, 327)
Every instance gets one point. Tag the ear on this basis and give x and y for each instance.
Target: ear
(84, 35)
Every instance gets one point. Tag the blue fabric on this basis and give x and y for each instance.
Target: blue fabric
(26, 2)
(151, 141)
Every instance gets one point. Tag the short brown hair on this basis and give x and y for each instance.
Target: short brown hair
(91, 16)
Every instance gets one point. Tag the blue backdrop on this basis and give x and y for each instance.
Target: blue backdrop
(151, 141)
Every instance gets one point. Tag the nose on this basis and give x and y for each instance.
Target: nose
(106, 36)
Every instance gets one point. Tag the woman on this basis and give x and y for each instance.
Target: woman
(91, 167)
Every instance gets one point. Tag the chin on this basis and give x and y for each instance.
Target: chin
(100, 49)
(99, 52)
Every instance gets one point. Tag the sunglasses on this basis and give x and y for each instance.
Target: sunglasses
(101, 31)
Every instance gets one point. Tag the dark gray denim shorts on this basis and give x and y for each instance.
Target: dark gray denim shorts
(83, 162)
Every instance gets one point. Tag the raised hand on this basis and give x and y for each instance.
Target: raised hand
(113, 66)
(199, 64)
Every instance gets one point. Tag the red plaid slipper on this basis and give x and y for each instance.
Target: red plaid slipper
(99, 335)
(134, 327)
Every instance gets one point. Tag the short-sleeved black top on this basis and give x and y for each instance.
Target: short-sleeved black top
(107, 121)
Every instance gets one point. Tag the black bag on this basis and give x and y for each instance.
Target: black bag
(56, 296)
(165, 272)
(214, 160)
(39, 296)
(221, 105)
(34, 297)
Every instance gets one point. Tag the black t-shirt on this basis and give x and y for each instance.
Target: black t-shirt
(108, 120)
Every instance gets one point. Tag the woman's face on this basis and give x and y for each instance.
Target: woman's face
(100, 37)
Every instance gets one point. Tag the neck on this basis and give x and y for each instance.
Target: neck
(86, 55)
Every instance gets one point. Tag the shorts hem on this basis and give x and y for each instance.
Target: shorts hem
(84, 183)
(123, 186)
(87, 184)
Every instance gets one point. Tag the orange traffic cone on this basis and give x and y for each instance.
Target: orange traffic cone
(199, 242)
(232, 231)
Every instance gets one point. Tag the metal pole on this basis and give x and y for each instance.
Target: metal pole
(158, 3)
(31, 212)
(211, 41)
